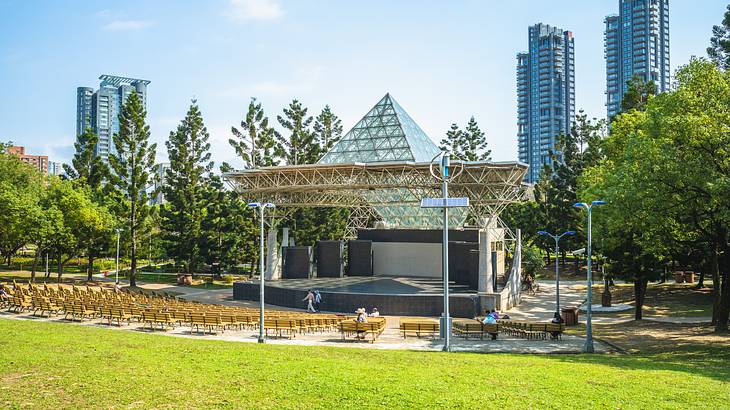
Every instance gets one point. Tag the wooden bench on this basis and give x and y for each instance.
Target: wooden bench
(374, 327)
(467, 328)
(419, 327)
(281, 326)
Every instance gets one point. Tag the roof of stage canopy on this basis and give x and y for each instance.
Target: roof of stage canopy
(381, 169)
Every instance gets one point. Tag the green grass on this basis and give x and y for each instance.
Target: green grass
(58, 365)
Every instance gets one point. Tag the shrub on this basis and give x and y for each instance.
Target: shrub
(228, 279)
(532, 261)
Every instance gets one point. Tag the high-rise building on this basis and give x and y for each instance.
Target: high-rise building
(39, 162)
(636, 44)
(159, 182)
(545, 94)
(100, 110)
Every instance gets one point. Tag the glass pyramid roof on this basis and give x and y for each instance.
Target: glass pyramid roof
(385, 133)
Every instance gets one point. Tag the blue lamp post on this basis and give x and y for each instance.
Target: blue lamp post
(557, 269)
(261, 206)
(588, 348)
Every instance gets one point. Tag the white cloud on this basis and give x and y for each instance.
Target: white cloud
(255, 10)
(127, 25)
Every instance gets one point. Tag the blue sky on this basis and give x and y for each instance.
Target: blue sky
(442, 61)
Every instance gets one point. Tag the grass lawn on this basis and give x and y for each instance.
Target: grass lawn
(58, 365)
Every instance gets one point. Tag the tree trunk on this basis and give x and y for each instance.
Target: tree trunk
(548, 256)
(639, 294)
(35, 265)
(90, 268)
(716, 284)
(723, 314)
(60, 268)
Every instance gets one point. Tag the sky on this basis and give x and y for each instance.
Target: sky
(443, 61)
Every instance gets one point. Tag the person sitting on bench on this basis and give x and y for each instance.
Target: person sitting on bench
(374, 313)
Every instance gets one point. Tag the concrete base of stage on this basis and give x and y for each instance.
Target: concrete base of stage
(402, 296)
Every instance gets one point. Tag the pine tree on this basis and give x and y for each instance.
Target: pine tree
(299, 147)
(469, 144)
(85, 165)
(637, 94)
(473, 144)
(255, 143)
(188, 150)
(132, 165)
(719, 50)
(327, 130)
(453, 137)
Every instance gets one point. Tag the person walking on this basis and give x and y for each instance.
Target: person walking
(317, 300)
(310, 300)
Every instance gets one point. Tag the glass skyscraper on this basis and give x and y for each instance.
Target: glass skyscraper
(100, 110)
(545, 94)
(636, 44)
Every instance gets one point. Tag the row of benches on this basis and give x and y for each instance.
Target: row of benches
(475, 328)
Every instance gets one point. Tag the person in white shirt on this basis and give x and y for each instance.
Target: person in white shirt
(374, 313)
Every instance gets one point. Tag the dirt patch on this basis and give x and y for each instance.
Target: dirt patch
(654, 337)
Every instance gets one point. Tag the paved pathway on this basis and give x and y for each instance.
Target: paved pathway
(391, 339)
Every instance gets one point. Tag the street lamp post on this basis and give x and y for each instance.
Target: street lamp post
(261, 206)
(116, 272)
(557, 269)
(588, 348)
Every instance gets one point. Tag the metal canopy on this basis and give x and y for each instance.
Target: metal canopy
(385, 190)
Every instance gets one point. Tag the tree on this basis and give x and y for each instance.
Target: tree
(255, 143)
(719, 50)
(20, 190)
(637, 94)
(327, 129)
(299, 146)
(468, 144)
(189, 154)
(454, 136)
(132, 165)
(667, 175)
(85, 165)
(473, 146)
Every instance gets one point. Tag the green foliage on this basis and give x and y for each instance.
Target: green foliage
(719, 50)
(637, 94)
(327, 129)
(184, 189)
(255, 143)
(667, 177)
(299, 147)
(532, 261)
(469, 144)
(132, 165)
(86, 166)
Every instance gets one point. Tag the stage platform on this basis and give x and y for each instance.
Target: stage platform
(403, 296)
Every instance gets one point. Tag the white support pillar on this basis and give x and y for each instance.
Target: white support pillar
(272, 255)
(485, 262)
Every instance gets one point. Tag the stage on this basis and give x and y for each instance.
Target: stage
(406, 296)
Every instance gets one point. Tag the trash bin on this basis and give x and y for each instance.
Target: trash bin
(570, 316)
(689, 277)
(679, 277)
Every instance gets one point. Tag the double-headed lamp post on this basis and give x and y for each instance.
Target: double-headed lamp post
(557, 269)
(261, 206)
(588, 348)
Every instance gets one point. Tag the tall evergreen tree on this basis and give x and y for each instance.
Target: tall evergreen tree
(637, 94)
(189, 152)
(298, 147)
(473, 144)
(719, 50)
(132, 165)
(327, 129)
(255, 143)
(453, 138)
(84, 164)
(468, 144)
